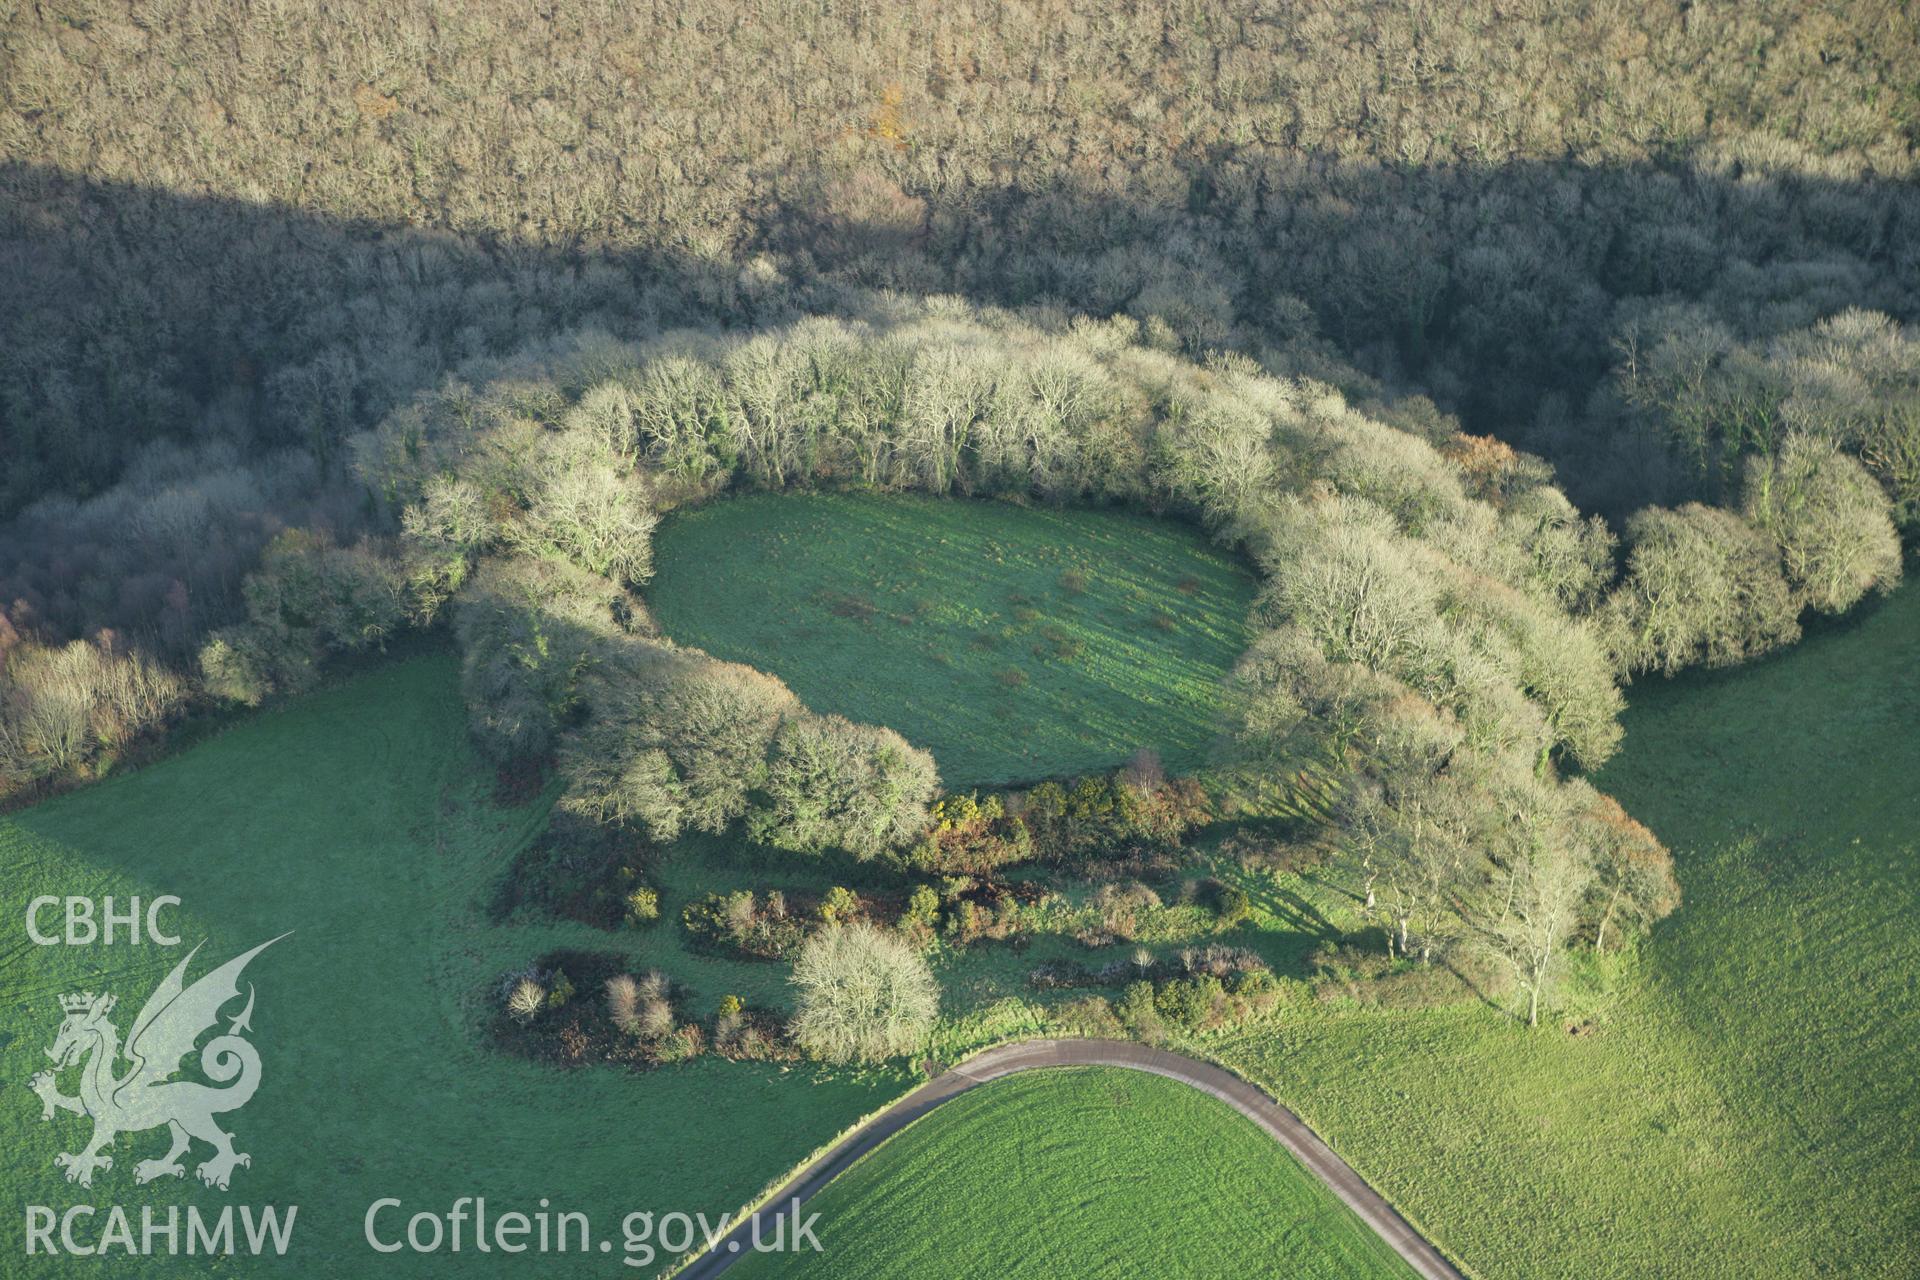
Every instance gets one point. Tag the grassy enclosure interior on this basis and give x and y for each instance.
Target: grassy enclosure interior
(1090, 1172)
(1012, 642)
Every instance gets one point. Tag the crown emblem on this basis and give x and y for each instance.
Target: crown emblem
(79, 1002)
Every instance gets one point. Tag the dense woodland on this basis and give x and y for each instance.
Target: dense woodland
(1524, 350)
(270, 227)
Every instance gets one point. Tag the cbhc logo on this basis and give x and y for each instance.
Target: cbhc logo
(84, 928)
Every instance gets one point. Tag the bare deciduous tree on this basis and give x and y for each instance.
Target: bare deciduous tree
(863, 993)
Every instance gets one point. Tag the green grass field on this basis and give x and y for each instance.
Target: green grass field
(1747, 1105)
(1088, 1173)
(1012, 642)
(1743, 1105)
(358, 818)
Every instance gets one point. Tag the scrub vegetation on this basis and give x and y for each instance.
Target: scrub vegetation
(1435, 641)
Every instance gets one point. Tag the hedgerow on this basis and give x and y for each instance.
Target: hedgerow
(1432, 648)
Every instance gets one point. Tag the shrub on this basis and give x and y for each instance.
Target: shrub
(559, 990)
(1190, 1003)
(681, 1045)
(526, 1000)
(963, 922)
(738, 914)
(923, 908)
(1144, 772)
(1097, 814)
(1120, 908)
(961, 811)
(231, 670)
(1138, 1012)
(734, 921)
(623, 1003)
(970, 833)
(863, 994)
(746, 1043)
(656, 1018)
(996, 914)
(1220, 962)
(1231, 905)
(839, 904)
(643, 906)
(1253, 982)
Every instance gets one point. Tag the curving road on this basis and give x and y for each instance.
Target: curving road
(1027, 1055)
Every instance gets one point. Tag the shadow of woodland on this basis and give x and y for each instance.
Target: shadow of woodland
(154, 336)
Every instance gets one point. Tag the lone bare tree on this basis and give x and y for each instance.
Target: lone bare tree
(864, 993)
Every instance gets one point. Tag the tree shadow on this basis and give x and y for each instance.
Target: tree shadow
(142, 316)
(1495, 286)
(1295, 911)
(1480, 993)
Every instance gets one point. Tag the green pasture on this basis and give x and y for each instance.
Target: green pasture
(1741, 1100)
(1736, 1099)
(359, 819)
(1012, 642)
(1086, 1172)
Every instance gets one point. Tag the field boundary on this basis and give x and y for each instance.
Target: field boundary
(1250, 1101)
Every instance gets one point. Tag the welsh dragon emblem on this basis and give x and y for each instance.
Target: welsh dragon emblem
(144, 1096)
